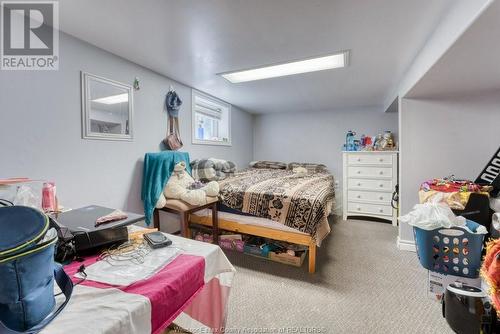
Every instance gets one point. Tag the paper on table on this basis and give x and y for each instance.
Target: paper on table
(127, 272)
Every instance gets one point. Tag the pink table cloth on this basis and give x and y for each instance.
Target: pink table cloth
(192, 291)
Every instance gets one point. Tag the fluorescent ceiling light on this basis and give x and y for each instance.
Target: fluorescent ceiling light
(290, 68)
(113, 99)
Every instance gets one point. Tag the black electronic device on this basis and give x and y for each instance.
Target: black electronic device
(468, 310)
(491, 174)
(157, 239)
(78, 228)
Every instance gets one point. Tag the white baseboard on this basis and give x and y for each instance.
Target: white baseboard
(406, 245)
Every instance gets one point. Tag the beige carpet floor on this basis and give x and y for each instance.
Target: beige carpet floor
(363, 284)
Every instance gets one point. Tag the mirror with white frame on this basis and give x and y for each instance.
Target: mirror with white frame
(107, 108)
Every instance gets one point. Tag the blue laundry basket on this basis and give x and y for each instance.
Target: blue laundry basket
(450, 251)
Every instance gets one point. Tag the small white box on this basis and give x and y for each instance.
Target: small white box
(437, 283)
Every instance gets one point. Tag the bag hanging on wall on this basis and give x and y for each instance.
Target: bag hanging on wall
(173, 140)
(28, 271)
(173, 103)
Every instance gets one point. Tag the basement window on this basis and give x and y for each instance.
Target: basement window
(211, 120)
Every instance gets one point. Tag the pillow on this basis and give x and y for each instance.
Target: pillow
(311, 168)
(268, 164)
(212, 169)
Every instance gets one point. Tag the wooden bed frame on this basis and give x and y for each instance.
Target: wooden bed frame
(259, 231)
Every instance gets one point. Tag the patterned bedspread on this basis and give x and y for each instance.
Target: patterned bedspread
(299, 202)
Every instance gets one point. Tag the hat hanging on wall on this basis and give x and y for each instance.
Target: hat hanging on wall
(173, 103)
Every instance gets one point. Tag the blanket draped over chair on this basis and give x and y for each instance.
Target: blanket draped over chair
(157, 170)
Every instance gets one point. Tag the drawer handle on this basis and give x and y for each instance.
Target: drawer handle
(359, 208)
(359, 196)
(359, 159)
(381, 172)
(359, 172)
(381, 185)
(381, 160)
(359, 184)
(380, 210)
(381, 198)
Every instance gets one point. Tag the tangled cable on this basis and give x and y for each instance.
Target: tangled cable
(133, 251)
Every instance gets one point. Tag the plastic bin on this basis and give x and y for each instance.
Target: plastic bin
(451, 251)
(285, 258)
(236, 245)
(255, 250)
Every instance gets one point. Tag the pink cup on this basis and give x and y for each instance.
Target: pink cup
(49, 197)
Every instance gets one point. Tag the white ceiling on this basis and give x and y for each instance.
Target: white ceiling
(471, 65)
(193, 40)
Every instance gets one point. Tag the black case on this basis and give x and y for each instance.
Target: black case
(79, 226)
(152, 237)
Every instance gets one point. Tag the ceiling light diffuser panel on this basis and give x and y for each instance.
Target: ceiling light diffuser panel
(337, 60)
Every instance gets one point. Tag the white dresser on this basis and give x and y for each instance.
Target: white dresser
(369, 179)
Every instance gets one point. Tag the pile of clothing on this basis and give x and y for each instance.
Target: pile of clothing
(211, 169)
(450, 191)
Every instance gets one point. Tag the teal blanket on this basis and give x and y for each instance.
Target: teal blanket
(157, 170)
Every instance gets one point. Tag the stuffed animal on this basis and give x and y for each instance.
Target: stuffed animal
(490, 271)
(299, 171)
(179, 186)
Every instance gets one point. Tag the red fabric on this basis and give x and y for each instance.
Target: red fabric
(170, 290)
(490, 271)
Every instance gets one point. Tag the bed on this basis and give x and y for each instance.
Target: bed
(279, 204)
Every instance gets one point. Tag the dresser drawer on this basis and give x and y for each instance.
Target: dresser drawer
(369, 196)
(360, 171)
(369, 159)
(380, 185)
(375, 209)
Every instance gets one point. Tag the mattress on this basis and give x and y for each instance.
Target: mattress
(299, 202)
(248, 220)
